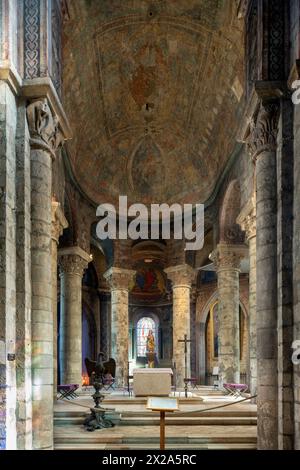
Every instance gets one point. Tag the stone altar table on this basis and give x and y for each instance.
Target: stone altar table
(154, 382)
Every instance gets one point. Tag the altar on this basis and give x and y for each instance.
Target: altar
(152, 382)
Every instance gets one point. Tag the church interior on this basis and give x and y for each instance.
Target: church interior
(166, 102)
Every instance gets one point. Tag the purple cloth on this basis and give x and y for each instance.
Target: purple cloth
(67, 387)
(236, 386)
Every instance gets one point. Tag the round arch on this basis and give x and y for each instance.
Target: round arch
(201, 322)
(136, 318)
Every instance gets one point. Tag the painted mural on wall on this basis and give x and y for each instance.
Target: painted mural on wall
(146, 171)
(149, 285)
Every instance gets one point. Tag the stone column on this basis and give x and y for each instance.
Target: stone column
(23, 283)
(226, 259)
(44, 140)
(8, 236)
(181, 277)
(262, 144)
(247, 221)
(119, 280)
(59, 223)
(72, 261)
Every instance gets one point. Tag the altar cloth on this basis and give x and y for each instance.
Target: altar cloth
(152, 382)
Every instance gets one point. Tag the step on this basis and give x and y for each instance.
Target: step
(231, 446)
(150, 436)
(147, 441)
(226, 411)
(154, 421)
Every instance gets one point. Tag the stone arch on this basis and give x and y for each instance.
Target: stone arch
(69, 235)
(136, 316)
(90, 276)
(202, 311)
(230, 231)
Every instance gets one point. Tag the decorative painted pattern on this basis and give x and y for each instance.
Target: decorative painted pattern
(31, 38)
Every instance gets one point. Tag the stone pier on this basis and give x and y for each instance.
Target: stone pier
(44, 140)
(72, 261)
(227, 259)
(262, 145)
(247, 221)
(8, 122)
(59, 223)
(119, 280)
(181, 277)
(23, 284)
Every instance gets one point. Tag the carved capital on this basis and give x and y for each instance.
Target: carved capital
(263, 130)
(43, 127)
(228, 257)
(73, 260)
(59, 222)
(119, 278)
(247, 219)
(181, 275)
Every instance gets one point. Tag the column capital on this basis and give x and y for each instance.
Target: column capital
(247, 219)
(119, 278)
(228, 257)
(73, 260)
(43, 124)
(59, 222)
(263, 129)
(181, 275)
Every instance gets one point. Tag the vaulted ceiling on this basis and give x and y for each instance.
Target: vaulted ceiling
(153, 91)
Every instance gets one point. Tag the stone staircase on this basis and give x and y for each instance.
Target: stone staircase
(232, 427)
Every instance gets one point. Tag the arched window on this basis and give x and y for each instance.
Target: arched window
(144, 325)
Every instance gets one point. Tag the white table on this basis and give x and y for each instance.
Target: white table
(152, 382)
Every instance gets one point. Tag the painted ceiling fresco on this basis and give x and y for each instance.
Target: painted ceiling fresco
(153, 91)
(149, 284)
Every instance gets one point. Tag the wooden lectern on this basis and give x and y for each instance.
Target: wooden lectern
(162, 404)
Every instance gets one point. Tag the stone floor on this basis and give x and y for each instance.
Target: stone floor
(231, 427)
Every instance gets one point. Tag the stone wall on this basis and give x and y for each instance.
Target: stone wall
(90, 297)
(105, 322)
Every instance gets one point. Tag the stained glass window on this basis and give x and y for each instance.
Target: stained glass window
(144, 325)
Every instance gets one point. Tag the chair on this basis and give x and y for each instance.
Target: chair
(108, 382)
(235, 390)
(192, 381)
(67, 391)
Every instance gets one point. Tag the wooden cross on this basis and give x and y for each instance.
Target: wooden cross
(185, 341)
